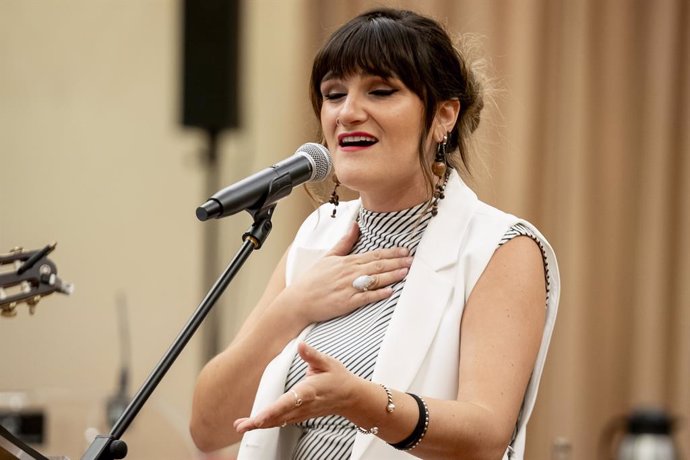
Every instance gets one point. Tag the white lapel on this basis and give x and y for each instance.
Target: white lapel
(311, 244)
(425, 297)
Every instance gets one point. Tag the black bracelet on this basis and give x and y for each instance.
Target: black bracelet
(419, 432)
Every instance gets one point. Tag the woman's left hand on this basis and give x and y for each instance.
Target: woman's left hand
(325, 390)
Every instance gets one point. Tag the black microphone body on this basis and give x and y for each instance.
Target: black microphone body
(310, 162)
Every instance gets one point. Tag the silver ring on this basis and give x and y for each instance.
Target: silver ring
(364, 283)
(284, 424)
(298, 400)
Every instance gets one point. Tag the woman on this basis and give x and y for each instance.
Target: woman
(413, 321)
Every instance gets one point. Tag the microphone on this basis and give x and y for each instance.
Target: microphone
(311, 162)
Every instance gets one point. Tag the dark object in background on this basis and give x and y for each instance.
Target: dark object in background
(29, 426)
(210, 64)
(646, 433)
(648, 436)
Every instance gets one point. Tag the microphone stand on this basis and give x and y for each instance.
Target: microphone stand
(111, 447)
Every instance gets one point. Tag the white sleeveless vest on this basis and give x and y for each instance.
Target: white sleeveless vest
(425, 328)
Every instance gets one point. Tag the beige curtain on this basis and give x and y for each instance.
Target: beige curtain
(587, 138)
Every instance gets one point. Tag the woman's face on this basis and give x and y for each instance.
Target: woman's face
(372, 127)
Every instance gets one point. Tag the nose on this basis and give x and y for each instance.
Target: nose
(352, 111)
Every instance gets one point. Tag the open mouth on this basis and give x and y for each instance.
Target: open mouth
(357, 141)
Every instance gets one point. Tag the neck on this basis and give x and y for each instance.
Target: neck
(390, 205)
(404, 197)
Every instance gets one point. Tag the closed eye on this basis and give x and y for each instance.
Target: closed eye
(383, 92)
(333, 96)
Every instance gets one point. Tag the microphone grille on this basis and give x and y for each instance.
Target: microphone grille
(320, 159)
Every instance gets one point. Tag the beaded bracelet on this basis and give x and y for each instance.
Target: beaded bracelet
(390, 407)
(419, 432)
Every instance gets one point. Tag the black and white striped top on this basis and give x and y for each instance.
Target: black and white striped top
(354, 339)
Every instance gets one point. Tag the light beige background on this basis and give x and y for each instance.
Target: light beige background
(587, 137)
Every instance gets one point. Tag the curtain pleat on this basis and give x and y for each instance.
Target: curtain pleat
(679, 351)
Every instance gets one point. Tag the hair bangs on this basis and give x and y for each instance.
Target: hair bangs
(378, 46)
(368, 48)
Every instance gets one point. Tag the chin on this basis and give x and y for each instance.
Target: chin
(357, 182)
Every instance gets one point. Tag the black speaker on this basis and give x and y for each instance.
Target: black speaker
(210, 64)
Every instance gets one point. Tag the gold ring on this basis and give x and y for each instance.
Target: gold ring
(298, 400)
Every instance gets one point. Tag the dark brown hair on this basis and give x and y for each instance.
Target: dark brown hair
(418, 51)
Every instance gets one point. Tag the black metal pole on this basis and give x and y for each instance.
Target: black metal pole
(110, 447)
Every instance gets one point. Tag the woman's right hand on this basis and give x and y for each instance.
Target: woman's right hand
(325, 291)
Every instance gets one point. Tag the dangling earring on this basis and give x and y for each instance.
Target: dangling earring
(335, 199)
(440, 170)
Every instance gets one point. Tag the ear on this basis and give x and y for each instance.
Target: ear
(446, 115)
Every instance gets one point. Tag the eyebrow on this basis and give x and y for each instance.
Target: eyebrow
(330, 75)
